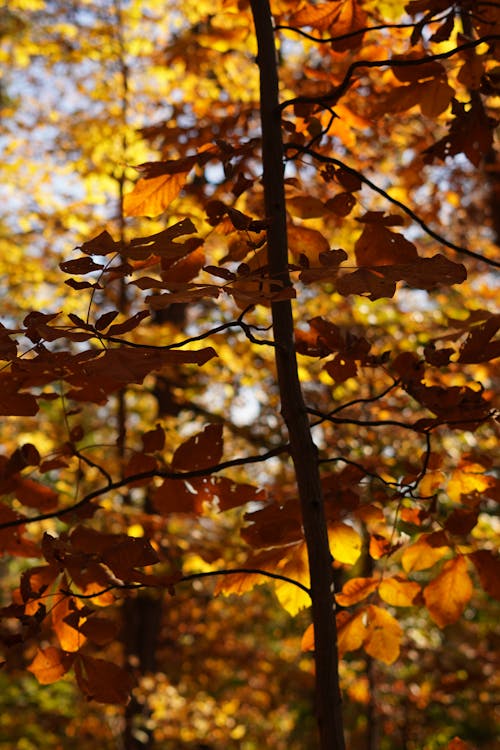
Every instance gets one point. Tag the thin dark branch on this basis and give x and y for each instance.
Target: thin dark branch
(245, 327)
(333, 96)
(192, 577)
(368, 400)
(162, 474)
(358, 32)
(366, 472)
(402, 206)
(94, 465)
(393, 422)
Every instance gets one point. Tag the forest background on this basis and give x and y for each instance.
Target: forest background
(143, 448)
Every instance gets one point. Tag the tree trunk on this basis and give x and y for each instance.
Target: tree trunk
(303, 450)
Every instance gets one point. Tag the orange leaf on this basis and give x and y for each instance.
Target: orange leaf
(307, 642)
(397, 592)
(384, 635)
(447, 595)
(66, 608)
(50, 664)
(457, 744)
(201, 450)
(356, 590)
(150, 197)
(337, 18)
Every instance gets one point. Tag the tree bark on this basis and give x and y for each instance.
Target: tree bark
(303, 451)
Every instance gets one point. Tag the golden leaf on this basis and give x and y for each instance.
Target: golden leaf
(384, 635)
(351, 631)
(421, 555)
(345, 543)
(398, 592)
(151, 196)
(355, 590)
(447, 595)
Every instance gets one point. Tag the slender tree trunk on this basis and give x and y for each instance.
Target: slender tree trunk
(303, 450)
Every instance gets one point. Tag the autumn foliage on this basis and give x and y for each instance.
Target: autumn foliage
(149, 469)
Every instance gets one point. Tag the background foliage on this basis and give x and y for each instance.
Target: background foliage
(130, 132)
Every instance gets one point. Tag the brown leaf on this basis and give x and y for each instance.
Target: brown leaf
(378, 246)
(153, 440)
(366, 282)
(100, 630)
(487, 565)
(201, 450)
(36, 495)
(80, 265)
(102, 680)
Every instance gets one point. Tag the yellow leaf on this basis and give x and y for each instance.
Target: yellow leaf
(294, 566)
(345, 543)
(398, 592)
(150, 197)
(447, 595)
(468, 478)
(384, 635)
(351, 631)
(421, 555)
(431, 482)
(356, 590)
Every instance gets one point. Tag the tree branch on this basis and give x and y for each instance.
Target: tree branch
(408, 211)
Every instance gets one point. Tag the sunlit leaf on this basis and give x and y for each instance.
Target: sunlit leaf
(345, 543)
(448, 594)
(150, 197)
(355, 590)
(384, 634)
(422, 554)
(398, 592)
(50, 664)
